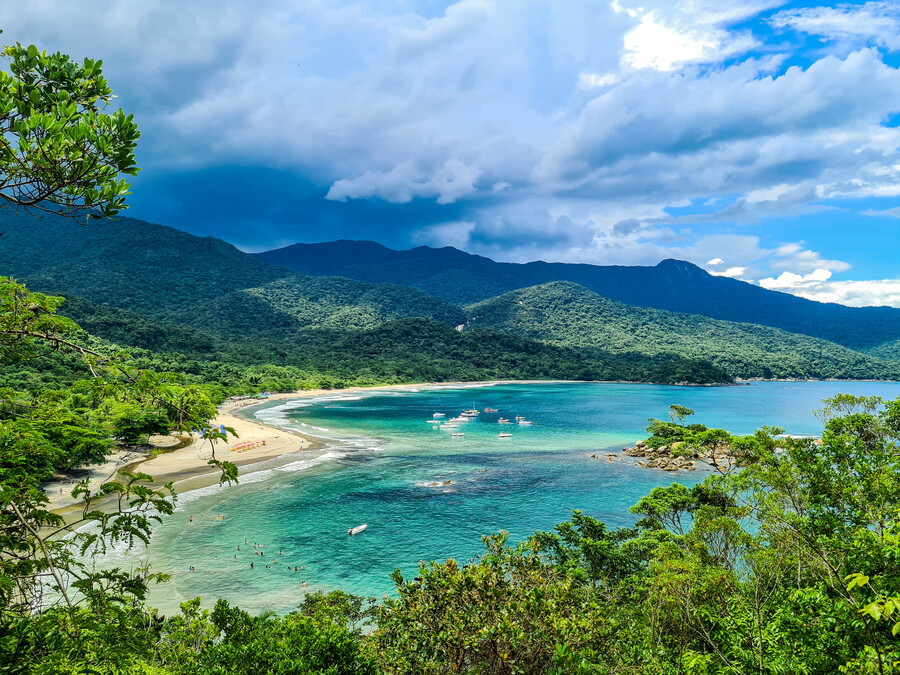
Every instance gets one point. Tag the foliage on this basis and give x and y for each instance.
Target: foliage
(567, 314)
(505, 613)
(671, 285)
(61, 150)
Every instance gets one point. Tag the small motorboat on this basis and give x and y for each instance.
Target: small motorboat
(357, 529)
(469, 413)
(449, 426)
(491, 410)
(503, 420)
(434, 421)
(457, 433)
(503, 434)
(436, 415)
(520, 417)
(524, 421)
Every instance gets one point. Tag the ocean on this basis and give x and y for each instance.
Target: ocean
(428, 496)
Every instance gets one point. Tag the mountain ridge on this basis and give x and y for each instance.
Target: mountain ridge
(671, 285)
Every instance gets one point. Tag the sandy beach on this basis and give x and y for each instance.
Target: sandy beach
(180, 458)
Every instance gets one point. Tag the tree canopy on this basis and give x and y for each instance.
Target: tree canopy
(61, 148)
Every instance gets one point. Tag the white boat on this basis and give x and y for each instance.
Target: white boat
(469, 413)
(357, 529)
(504, 435)
(503, 420)
(524, 422)
(449, 426)
(434, 421)
(492, 410)
(520, 417)
(436, 415)
(457, 433)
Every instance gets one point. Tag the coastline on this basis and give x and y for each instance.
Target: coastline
(182, 459)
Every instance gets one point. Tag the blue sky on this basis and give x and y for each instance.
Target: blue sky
(759, 139)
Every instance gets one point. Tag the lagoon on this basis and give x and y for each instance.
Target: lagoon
(384, 465)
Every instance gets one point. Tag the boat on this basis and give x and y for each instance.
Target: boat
(503, 420)
(449, 426)
(434, 421)
(470, 413)
(524, 422)
(503, 434)
(520, 417)
(457, 433)
(436, 415)
(491, 410)
(357, 529)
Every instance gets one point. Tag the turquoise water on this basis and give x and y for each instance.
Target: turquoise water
(384, 465)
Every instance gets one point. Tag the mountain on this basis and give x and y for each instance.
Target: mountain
(671, 285)
(202, 282)
(566, 314)
(200, 304)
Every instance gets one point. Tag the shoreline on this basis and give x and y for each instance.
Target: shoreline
(180, 458)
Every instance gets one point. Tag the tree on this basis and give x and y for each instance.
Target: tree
(679, 412)
(60, 148)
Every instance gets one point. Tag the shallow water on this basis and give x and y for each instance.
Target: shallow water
(385, 466)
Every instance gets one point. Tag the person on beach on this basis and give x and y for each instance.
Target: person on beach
(251, 564)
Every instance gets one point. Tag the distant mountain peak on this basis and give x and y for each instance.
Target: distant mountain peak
(682, 267)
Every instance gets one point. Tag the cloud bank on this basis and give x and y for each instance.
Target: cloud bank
(751, 139)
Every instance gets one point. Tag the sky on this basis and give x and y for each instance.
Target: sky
(759, 139)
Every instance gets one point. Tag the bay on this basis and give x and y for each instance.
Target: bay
(428, 496)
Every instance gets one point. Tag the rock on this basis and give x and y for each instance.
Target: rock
(448, 482)
(640, 444)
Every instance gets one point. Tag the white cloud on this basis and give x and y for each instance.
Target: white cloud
(672, 34)
(816, 285)
(875, 22)
(867, 293)
(593, 80)
(715, 261)
(449, 182)
(790, 280)
(890, 213)
(652, 44)
(731, 272)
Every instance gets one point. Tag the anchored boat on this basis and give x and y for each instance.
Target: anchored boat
(357, 529)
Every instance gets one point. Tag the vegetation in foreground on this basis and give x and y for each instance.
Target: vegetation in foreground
(791, 564)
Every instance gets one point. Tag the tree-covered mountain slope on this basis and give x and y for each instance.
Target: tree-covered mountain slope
(203, 282)
(566, 314)
(671, 285)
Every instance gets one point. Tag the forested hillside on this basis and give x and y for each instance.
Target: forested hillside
(201, 282)
(567, 314)
(671, 285)
(146, 286)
